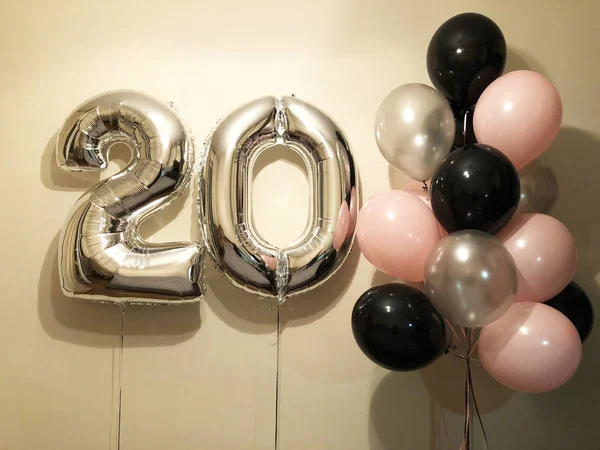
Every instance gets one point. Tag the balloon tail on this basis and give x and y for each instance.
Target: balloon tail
(281, 276)
(425, 188)
(117, 389)
(470, 399)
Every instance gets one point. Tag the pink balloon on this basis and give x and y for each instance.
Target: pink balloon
(544, 252)
(532, 348)
(396, 231)
(520, 115)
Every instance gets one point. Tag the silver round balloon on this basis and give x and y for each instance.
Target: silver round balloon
(102, 257)
(415, 129)
(225, 200)
(539, 189)
(470, 278)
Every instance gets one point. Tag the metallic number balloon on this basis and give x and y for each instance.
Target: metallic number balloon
(470, 278)
(225, 207)
(539, 189)
(101, 255)
(415, 129)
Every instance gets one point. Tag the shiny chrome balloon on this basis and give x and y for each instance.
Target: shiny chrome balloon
(415, 129)
(470, 278)
(539, 189)
(225, 204)
(101, 255)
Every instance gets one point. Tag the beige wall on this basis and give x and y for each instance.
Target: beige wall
(203, 376)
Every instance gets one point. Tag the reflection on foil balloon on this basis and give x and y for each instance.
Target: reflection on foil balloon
(225, 203)
(470, 278)
(539, 189)
(101, 255)
(415, 129)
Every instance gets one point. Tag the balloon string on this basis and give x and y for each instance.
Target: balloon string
(470, 399)
(117, 402)
(479, 419)
(441, 409)
(473, 348)
(277, 378)
(452, 329)
(466, 442)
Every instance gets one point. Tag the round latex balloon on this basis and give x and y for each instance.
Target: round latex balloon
(414, 129)
(396, 231)
(573, 302)
(544, 252)
(470, 278)
(396, 326)
(476, 187)
(466, 53)
(532, 348)
(519, 114)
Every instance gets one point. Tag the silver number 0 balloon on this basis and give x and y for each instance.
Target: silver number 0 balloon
(101, 255)
(225, 204)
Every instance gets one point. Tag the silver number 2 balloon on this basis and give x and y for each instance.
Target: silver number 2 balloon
(225, 204)
(101, 255)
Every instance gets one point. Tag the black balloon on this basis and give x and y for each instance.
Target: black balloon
(475, 188)
(397, 327)
(465, 133)
(466, 53)
(575, 304)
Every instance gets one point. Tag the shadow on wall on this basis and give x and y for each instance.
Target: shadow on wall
(517, 59)
(398, 179)
(445, 381)
(390, 426)
(575, 158)
(99, 325)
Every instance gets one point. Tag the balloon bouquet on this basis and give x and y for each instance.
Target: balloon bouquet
(480, 240)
